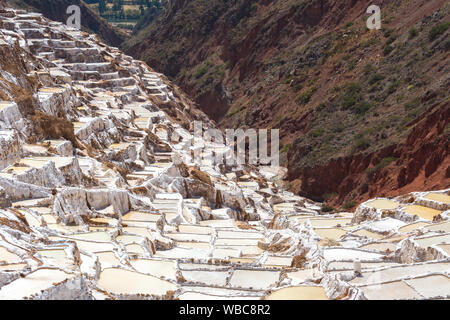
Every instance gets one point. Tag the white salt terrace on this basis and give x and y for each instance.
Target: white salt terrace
(142, 224)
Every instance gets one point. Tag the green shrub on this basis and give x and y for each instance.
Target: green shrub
(412, 33)
(232, 113)
(349, 24)
(305, 97)
(327, 208)
(317, 133)
(387, 49)
(286, 148)
(412, 104)
(362, 107)
(436, 31)
(375, 78)
(361, 143)
(383, 163)
(328, 196)
(393, 87)
(369, 68)
(352, 95)
(349, 205)
(298, 87)
(201, 72)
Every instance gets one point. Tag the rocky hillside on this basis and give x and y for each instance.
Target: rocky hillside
(90, 20)
(362, 112)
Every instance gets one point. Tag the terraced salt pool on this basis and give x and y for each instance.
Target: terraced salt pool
(136, 249)
(197, 245)
(242, 260)
(440, 197)
(211, 278)
(224, 253)
(236, 242)
(413, 226)
(189, 237)
(431, 287)
(8, 256)
(300, 276)
(140, 216)
(244, 249)
(53, 253)
(382, 204)
(99, 236)
(128, 239)
(368, 234)
(239, 234)
(218, 223)
(38, 162)
(342, 254)
(64, 229)
(421, 211)
(329, 223)
(140, 224)
(203, 296)
(338, 265)
(397, 290)
(445, 247)
(157, 268)
(397, 273)
(382, 247)
(429, 241)
(137, 231)
(255, 279)
(87, 245)
(107, 259)
(442, 227)
(180, 253)
(33, 283)
(299, 293)
(278, 261)
(121, 281)
(330, 233)
(13, 267)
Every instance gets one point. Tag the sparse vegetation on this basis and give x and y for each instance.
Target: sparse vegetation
(361, 143)
(438, 30)
(305, 97)
(375, 78)
(328, 196)
(351, 96)
(412, 33)
(201, 72)
(382, 164)
(286, 148)
(317, 132)
(349, 205)
(327, 208)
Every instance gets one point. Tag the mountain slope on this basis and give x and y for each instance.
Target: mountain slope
(90, 21)
(354, 106)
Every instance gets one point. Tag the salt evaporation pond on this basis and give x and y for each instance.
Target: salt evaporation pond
(299, 293)
(121, 281)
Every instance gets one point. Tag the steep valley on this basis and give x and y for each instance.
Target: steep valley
(354, 105)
